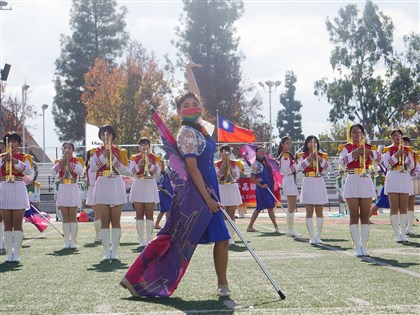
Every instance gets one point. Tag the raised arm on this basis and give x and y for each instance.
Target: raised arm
(191, 82)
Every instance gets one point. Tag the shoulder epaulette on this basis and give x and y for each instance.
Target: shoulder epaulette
(92, 151)
(410, 149)
(325, 155)
(80, 160)
(374, 147)
(134, 156)
(56, 161)
(386, 149)
(299, 155)
(341, 146)
(123, 157)
(28, 157)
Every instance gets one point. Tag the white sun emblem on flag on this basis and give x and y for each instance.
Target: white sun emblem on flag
(225, 125)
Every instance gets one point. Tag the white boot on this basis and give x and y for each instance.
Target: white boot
(97, 224)
(1, 236)
(394, 223)
(410, 218)
(403, 227)
(8, 242)
(116, 236)
(364, 231)
(290, 221)
(66, 232)
(73, 232)
(106, 243)
(140, 232)
(149, 230)
(355, 235)
(231, 233)
(310, 227)
(319, 225)
(17, 243)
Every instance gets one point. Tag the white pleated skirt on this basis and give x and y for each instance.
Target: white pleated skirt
(397, 182)
(68, 195)
(289, 186)
(13, 196)
(416, 185)
(144, 190)
(357, 186)
(90, 196)
(230, 195)
(110, 191)
(314, 191)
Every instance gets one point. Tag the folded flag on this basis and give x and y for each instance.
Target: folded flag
(228, 132)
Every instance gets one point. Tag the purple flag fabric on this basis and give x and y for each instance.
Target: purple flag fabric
(160, 267)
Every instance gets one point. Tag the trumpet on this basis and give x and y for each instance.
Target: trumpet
(228, 178)
(362, 143)
(67, 174)
(108, 146)
(9, 166)
(145, 158)
(401, 159)
(315, 164)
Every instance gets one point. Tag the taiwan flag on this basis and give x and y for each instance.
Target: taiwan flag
(229, 132)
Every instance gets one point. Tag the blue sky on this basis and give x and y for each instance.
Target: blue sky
(276, 36)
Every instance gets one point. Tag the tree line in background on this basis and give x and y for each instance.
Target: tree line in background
(104, 77)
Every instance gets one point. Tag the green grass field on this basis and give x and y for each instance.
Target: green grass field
(325, 279)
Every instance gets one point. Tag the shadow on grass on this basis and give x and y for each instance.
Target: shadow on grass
(238, 248)
(124, 244)
(325, 245)
(411, 244)
(92, 245)
(269, 234)
(414, 236)
(381, 262)
(218, 305)
(108, 266)
(4, 267)
(138, 249)
(64, 252)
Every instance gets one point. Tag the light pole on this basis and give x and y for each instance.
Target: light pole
(272, 87)
(25, 88)
(44, 107)
(4, 74)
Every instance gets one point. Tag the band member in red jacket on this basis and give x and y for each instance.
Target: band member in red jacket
(14, 196)
(359, 190)
(144, 191)
(110, 196)
(68, 169)
(399, 161)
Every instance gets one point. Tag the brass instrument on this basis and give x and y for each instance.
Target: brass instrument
(145, 158)
(228, 178)
(315, 164)
(9, 166)
(108, 146)
(401, 159)
(362, 143)
(67, 174)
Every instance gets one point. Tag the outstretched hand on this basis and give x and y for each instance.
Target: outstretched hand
(192, 64)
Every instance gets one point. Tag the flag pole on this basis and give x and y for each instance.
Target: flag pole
(253, 254)
(217, 113)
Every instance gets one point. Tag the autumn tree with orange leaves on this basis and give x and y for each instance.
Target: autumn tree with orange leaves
(121, 95)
